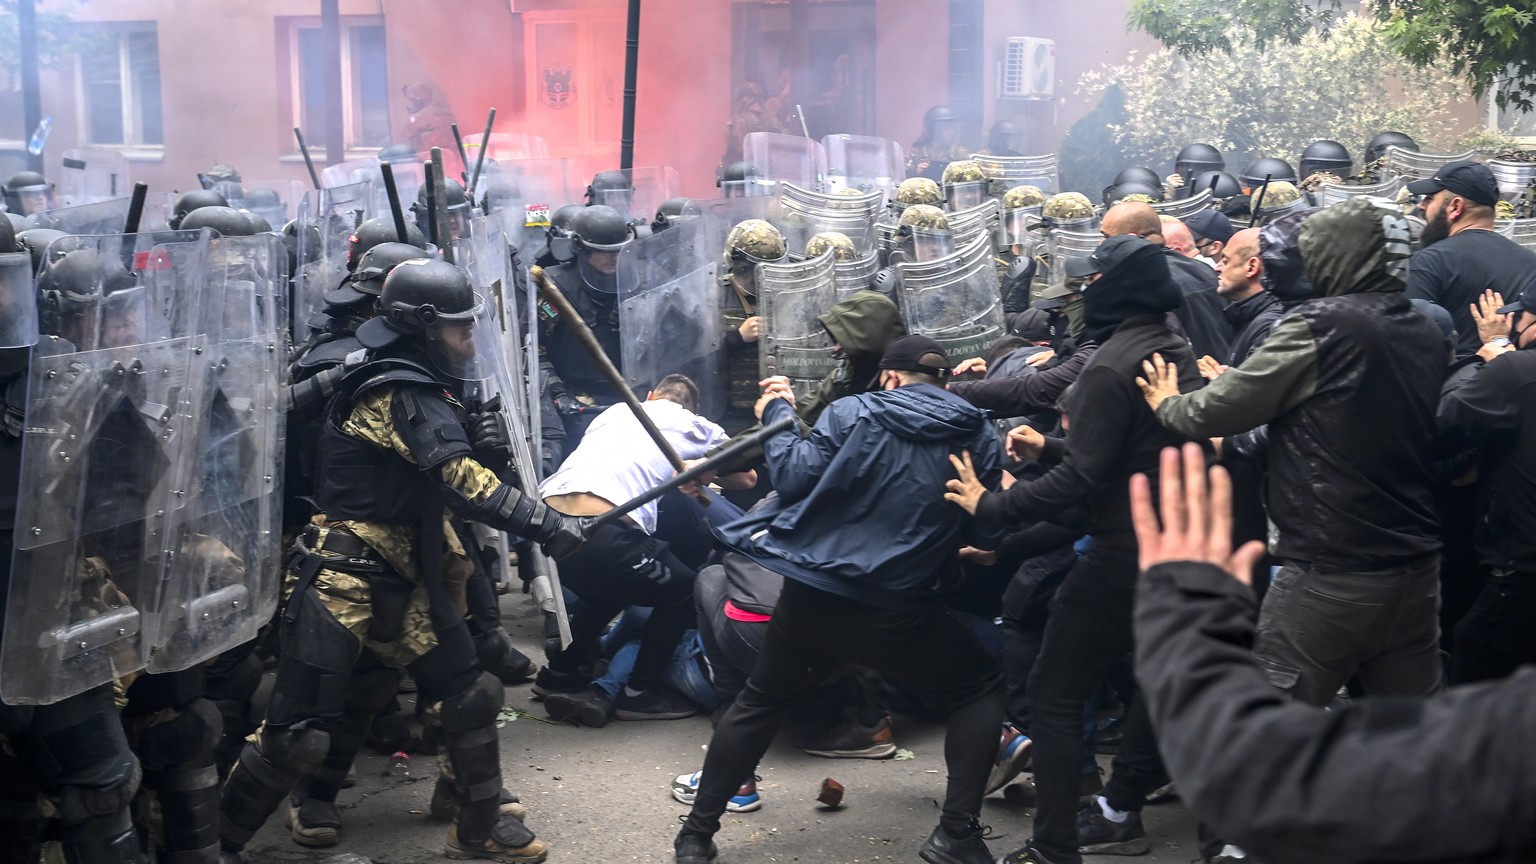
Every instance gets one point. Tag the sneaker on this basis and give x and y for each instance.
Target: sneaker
(685, 788)
(593, 708)
(940, 848)
(509, 842)
(550, 681)
(854, 740)
(1097, 835)
(316, 824)
(694, 849)
(1026, 854)
(655, 703)
(1012, 753)
(445, 803)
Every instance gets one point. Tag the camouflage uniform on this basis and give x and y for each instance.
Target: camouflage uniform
(1279, 199)
(927, 160)
(749, 243)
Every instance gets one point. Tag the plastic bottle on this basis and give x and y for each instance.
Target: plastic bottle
(39, 138)
(400, 764)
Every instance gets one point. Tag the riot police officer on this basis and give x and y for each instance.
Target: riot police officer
(965, 185)
(380, 570)
(190, 201)
(27, 192)
(922, 234)
(455, 208)
(937, 147)
(749, 243)
(558, 247)
(1022, 207)
(1324, 155)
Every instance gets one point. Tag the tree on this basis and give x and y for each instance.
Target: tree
(1346, 85)
(1488, 44)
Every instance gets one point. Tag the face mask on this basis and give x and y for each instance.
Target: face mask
(1515, 331)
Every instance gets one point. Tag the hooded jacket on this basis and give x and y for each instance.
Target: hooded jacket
(1348, 383)
(1200, 307)
(1252, 319)
(1113, 432)
(861, 510)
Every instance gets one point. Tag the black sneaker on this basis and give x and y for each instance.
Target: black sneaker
(1026, 854)
(940, 848)
(694, 848)
(852, 740)
(518, 669)
(550, 681)
(655, 703)
(1097, 835)
(593, 708)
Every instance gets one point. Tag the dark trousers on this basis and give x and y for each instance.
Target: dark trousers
(621, 566)
(1497, 635)
(1088, 631)
(814, 633)
(1026, 608)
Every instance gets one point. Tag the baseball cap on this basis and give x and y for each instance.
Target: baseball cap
(1055, 296)
(1110, 252)
(1210, 225)
(1471, 180)
(908, 353)
(1526, 302)
(1032, 324)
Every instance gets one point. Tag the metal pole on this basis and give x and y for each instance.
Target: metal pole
(485, 144)
(31, 88)
(335, 132)
(393, 194)
(314, 176)
(631, 72)
(444, 238)
(458, 141)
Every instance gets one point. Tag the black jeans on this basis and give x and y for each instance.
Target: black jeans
(621, 566)
(1089, 630)
(813, 633)
(1496, 635)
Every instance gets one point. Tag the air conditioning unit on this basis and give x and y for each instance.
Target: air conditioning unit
(1029, 68)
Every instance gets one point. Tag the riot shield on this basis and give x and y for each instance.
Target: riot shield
(107, 418)
(805, 214)
(786, 158)
(88, 176)
(1522, 231)
(221, 559)
(1338, 193)
(1016, 226)
(103, 216)
(1401, 162)
(648, 188)
(523, 194)
(1183, 208)
(1006, 172)
(979, 221)
(1063, 245)
(719, 215)
(955, 300)
(856, 275)
(791, 297)
(276, 201)
(1514, 178)
(864, 163)
(670, 298)
(337, 212)
(505, 146)
(409, 177)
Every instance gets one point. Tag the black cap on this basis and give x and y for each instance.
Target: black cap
(1471, 180)
(1210, 225)
(1526, 302)
(1032, 324)
(1110, 252)
(907, 353)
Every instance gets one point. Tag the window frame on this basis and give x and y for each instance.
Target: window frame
(351, 110)
(133, 132)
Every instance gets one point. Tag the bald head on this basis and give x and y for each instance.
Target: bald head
(1177, 236)
(1239, 273)
(1133, 217)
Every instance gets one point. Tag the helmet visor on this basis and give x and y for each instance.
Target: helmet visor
(599, 270)
(928, 245)
(458, 344)
(962, 196)
(1016, 223)
(619, 199)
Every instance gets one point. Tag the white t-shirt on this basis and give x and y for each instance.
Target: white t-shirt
(617, 460)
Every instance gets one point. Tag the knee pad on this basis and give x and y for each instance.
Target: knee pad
(78, 742)
(294, 750)
(103, 840)
(79, 804)
(187, 741)
(474, 707)
(314, 672)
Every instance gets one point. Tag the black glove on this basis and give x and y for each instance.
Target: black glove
(494, 648)
(565, 403)
(492, 442)
(559, 534)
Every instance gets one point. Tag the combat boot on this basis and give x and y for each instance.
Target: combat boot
(445, 802)
(510, 842)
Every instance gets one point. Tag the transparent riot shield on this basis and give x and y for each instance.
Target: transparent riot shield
(670, 299)
(804, 214)
(719, 215)
(973, 222)
(1338, 193)
(864, 163)
(107, 418)
(523, 194)
(1522, 231)
(1514, 178)
(1401, 162)
(105, 216)
(856, 275)
(930, 245)
(955, 301)
(221, 556)
(409, 177)
(786, 158)
(648, 187)
(506, 146)
(1015, 226)
(88, 176)
(1006, 172)
(1063, 245)
(276, 201)
(1183, 208)
(792, 296)
(324, 236)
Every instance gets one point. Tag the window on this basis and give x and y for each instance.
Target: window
(1512, 122)
(364, 81)
(120, 86)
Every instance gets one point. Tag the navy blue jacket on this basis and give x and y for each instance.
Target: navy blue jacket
(861, 510)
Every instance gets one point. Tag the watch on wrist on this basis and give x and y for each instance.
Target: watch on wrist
(1500, 342)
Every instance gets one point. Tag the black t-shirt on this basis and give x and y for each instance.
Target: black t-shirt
(1453, 273)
